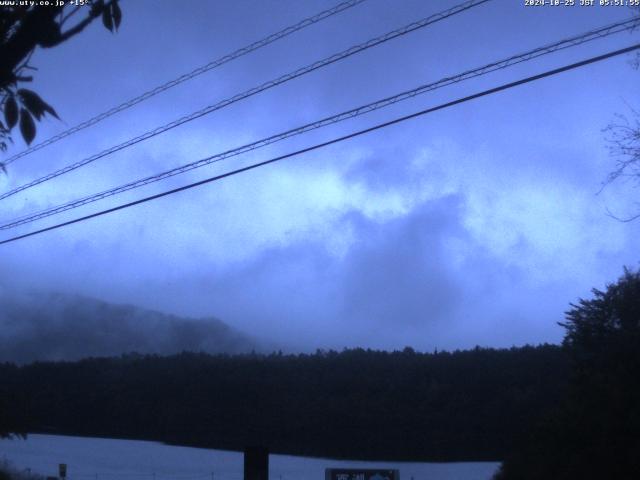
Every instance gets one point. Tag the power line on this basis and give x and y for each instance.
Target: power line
(361, 110)
(255, 90)
(188, 76)
(379, 126)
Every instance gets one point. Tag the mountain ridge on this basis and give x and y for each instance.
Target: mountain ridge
(58, 326)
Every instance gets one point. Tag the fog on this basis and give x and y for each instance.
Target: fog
(475, 225)
(43, 326)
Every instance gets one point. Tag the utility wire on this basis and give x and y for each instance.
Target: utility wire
(255, 90)
(188, 76)
(379, 126)
(361, 110)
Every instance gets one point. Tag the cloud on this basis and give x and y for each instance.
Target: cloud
(433, 258)
(476, 224)
(404, 271)
(418, 279)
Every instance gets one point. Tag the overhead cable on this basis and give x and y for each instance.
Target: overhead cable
(379, 126)
(188, 76)
(253, 91)
(355, 112)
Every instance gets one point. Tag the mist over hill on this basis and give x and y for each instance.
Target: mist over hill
(55, 326)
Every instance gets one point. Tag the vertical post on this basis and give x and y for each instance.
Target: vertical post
(256, 463)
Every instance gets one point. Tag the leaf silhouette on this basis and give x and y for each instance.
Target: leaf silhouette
(11, 112)
(27, 126)
(35, 104)
(107, 21)
(117, 13)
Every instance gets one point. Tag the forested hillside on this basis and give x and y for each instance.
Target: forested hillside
(465, 405)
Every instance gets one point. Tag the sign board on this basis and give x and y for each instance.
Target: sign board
(62, 470)
(361, 474)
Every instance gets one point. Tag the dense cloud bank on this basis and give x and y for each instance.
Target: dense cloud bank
(478, 224)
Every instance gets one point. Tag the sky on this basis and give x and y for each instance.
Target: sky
(474, 225)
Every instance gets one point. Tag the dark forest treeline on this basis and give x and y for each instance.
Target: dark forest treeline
(594, 432)
(465, 405)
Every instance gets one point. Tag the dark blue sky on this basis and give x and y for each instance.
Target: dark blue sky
(473, 225)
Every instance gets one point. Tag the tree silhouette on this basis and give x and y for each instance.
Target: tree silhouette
(22, 30)
(623, 136)
(357, 404)
(595, 433)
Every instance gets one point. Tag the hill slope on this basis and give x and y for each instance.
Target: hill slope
(69, 327)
